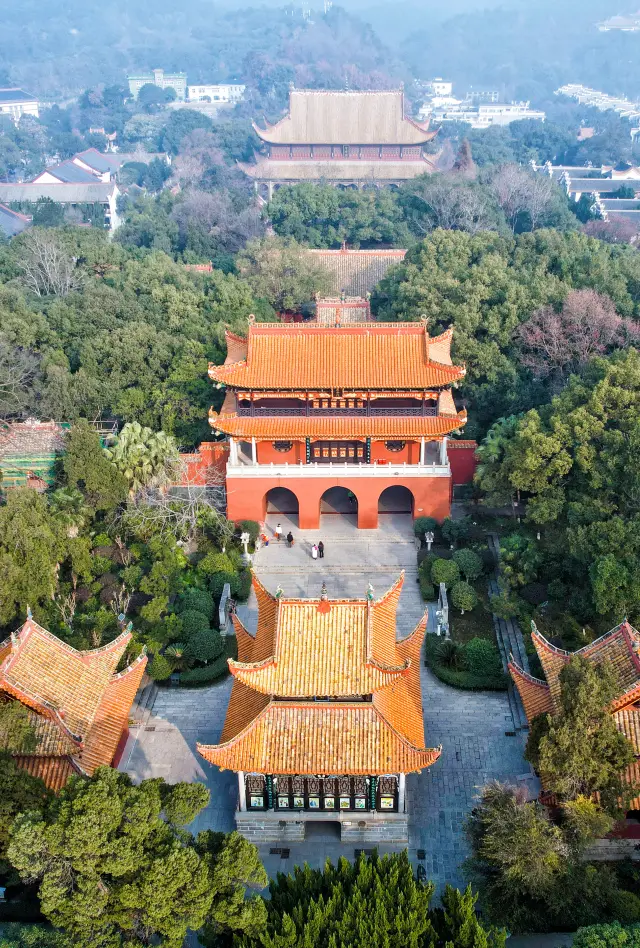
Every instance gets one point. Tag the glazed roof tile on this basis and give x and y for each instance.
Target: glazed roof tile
(319, 737)
(359, 651)
(356, 272)
(619, 648)
(628, 722)
(318, 116)
(534, 693)
(379, 356)
(78, 693)
(336, 428)
(330, 648)
(31, 439)
(54, 771)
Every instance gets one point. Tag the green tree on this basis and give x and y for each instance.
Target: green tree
(110, 870)
(464, 597)
(234, 864)
(19, 792)
(613, 935)
(281, 272)
(579, 751)
(87, 469)
(31, 548)
(32, 936)
(445, 571)
(204, 646)
(469, 563)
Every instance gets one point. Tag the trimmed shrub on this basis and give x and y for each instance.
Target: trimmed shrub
(482, 658)
(159, 668)
(612, 935)
(426, 564)
(193, 622)
(625, 906)
(455, 530)
(217, 581)
(197, 599)
(463, 597)
(422, 525)
(205, 646)
(469, 563)
(449, 653)
(205, 674)
(252, 527)
(444, 571)
(241, 585)
(427, 590)
(215, 563)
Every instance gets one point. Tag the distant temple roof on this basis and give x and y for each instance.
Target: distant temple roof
(325, 648)
(80, 705)
(356, 272)
(379, 356)
(28, 451)
(324, 117)
(360, 170)
(619, 649)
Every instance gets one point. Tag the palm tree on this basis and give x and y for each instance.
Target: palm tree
(67, 504)
(143, 456)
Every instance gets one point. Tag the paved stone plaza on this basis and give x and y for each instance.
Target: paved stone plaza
(470, 726)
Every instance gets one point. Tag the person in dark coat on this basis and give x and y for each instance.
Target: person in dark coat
(290, 538)
(321, 550)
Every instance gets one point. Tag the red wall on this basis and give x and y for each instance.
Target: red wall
(246, 496)
(409, 455)
(462, 460)
(213, 454)
(267, 453)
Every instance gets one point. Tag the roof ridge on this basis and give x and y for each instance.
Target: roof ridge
(513, 666)
(622, 627)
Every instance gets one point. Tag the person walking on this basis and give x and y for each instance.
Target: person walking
(290, 538)
(314, 552)
(278, 532)
(321, 550)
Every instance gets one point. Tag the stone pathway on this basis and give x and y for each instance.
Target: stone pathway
(470, 726)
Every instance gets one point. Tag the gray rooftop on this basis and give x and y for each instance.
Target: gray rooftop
(61, 193)
(11, 222)
(602, 185)
(70, 173)
(15, 95)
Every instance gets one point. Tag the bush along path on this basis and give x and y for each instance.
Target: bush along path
(510, 642)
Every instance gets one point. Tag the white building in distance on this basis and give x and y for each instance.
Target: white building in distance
(219, 92)
(158, 77)
(16, 102)
(488, 115)
(600, 100)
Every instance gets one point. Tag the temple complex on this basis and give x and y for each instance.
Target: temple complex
(354, 274)
(351, 139)
(620, 649)
(364, 409)
(78, 703)
(325, 718)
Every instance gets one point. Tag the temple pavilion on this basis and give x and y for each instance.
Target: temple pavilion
(78, 703)
(620, 649)
(325, 717)
(364, 408)
(351, 139)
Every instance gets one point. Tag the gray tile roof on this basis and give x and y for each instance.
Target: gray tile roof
(61, 193)
(601, 185)
(69, 173)
(15, 95)
(12, 223)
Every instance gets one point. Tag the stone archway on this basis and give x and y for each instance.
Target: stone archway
(396, 499)
(338, 506)
(281, 506)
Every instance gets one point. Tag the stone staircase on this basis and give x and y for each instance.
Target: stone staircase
(510, 643)
(143, 704)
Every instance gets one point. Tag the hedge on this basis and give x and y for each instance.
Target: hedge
(206, 673)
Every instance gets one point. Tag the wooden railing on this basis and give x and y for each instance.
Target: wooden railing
(309, 412)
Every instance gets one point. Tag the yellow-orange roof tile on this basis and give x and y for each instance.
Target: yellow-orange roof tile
(336, 428)
(54, 771)
(379, 356)
(534, 693)
(319, 737)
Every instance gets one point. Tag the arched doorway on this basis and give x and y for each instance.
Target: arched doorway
(338, 505)
(281, 507)
(395, 500)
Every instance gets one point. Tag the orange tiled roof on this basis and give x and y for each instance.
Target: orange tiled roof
(54, 771)
(535, 694)
(290, 737)
(618, 648)
(356, 272)
(382, 356)
(76, 692)
(628, 721)
(347, 636)
(325, 648)
(377, 428)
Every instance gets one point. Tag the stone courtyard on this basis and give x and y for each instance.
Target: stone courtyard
(474, 729)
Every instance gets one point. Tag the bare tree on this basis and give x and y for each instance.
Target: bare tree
(448, 202)
(215, 215)
(66, 606)
(192, 499)
(520, 192)
(18, 370)
(616, 231)
(556, 343)
(120, 601)
(47, 270)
